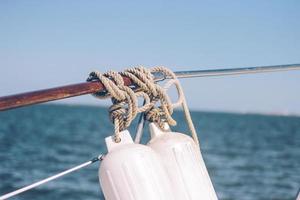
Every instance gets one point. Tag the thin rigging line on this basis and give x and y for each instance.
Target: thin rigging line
(51, 178)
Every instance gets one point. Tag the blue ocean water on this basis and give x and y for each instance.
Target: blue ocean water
(248, 156)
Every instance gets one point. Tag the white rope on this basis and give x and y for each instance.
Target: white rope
(163, 113)
(181, 102)
(41, 182)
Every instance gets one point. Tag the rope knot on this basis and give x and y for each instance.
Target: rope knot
(125, 100)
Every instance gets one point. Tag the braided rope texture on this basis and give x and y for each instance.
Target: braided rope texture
(157, 107)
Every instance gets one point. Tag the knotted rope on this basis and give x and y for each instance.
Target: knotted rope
(180, 102)
(125, 100)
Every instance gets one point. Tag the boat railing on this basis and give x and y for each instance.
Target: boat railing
(46, 95)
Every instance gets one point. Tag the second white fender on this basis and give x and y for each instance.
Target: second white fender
(184, 163)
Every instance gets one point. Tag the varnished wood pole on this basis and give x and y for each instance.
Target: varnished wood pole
(40, 96)
(29, 98)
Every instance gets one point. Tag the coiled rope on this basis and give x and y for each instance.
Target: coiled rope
(157, 107)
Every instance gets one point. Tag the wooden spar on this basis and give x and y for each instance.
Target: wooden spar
(40, 96)
(30, 98)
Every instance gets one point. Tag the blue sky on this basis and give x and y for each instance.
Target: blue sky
(51, 43)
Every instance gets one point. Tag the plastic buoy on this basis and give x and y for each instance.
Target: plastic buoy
(132, 171)
(184, 163)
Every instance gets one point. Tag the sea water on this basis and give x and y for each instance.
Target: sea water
(248, 156)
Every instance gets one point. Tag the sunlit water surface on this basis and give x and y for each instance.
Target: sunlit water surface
(249, 157)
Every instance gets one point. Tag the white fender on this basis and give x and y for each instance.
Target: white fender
(184, 163)
(133, 172)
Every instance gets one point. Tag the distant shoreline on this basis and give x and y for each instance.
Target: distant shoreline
(192, 110)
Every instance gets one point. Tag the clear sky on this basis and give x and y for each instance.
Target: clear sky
(51, 43)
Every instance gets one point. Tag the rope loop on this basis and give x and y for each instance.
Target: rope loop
(157, 107)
